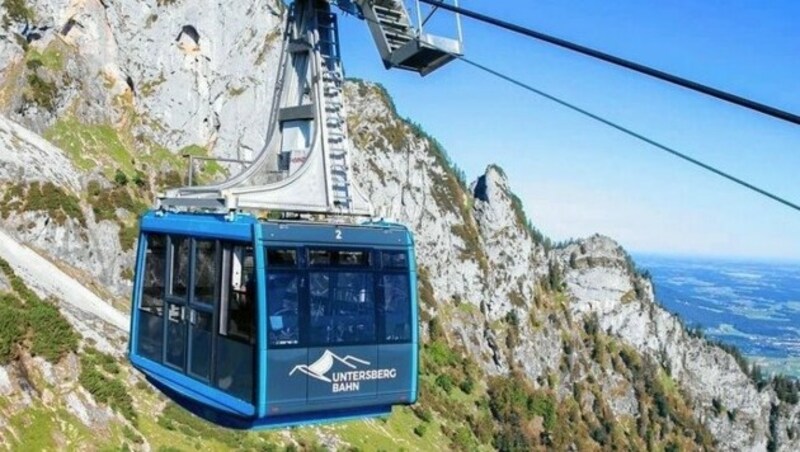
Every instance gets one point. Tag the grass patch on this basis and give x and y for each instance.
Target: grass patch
(34, 428)
(30, 322)
(51, 58)
(17, 11)
(106, 389)
(91, 145)
(42, 197)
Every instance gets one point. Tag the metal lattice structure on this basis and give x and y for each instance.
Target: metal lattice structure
(305, 165)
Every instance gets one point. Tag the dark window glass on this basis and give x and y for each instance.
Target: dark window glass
(320, 257)
(154, 272)
(175, 351)
(205, 280)
(281, 257)
(348, 258)
(282, 306)
(234, 373)
(396, 308)
(180, 267)
(200, 363)
(151, 305)
(240, 308)
(395, 259)
(235, 351)
(342, 308)
(353, 258)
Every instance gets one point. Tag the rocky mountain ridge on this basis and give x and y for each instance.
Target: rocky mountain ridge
(121, 87)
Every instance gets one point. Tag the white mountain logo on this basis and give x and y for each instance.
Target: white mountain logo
(347, 381)
(325, 363)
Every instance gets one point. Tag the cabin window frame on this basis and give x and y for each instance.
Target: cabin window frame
(162, 313)
(376, 267)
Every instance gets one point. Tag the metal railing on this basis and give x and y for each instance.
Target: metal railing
(191, 159)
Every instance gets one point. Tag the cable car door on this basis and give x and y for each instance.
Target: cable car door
(177, 297)
(190, 306)
(205, 290)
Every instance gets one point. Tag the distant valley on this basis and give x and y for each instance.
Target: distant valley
(752, 305)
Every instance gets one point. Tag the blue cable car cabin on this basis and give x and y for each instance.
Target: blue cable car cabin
(252, 323)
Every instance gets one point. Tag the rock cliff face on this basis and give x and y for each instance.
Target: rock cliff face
(121, 87)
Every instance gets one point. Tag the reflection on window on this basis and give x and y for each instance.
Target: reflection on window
(235, 351)
(241, 303)
(282, 308)
(205, 271)
(281, 257)
(180, 267)
(396, 308)
(395, 259)
(342, 308)
(200, 362)
(151, 305)
(353, 258)
(320, 257)
(154, 273)
(175, 350)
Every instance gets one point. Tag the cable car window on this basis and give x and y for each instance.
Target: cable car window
(396, 308)
(352, 258)
(282, 306)
(240, 307)
(235, 351)
(151, 305)
(180, 267)
(346, 258)
(342, 308)
(394, 259)
(320, 258)
(281, 257)
(154, 271)
(201, 333)
(205, 280)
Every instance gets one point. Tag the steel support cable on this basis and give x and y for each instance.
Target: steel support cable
(661, 75)
(630, 132)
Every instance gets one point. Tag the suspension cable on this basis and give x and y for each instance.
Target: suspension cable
(630, 132)
(661, 75)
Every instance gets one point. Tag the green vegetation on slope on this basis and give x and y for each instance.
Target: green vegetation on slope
(18, 11)
(98, 373)
(31, 324)
(42, 197)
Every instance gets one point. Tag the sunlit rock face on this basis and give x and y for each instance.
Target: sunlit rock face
(203, 73)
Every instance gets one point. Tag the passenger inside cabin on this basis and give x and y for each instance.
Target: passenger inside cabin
(283, 309)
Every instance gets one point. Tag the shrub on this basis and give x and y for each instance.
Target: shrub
(139, 179)
(420, 430)
(786, 389)
(424, 414)
(120, 178)
(440, 354)
(41, 92)
(50, 335)
(44, 197)
(445, 382)
(107, 390)
(11, 327)
(18, 11)
(468, 385)
(53, 336)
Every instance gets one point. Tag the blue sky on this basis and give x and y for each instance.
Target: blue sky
(577, 177)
